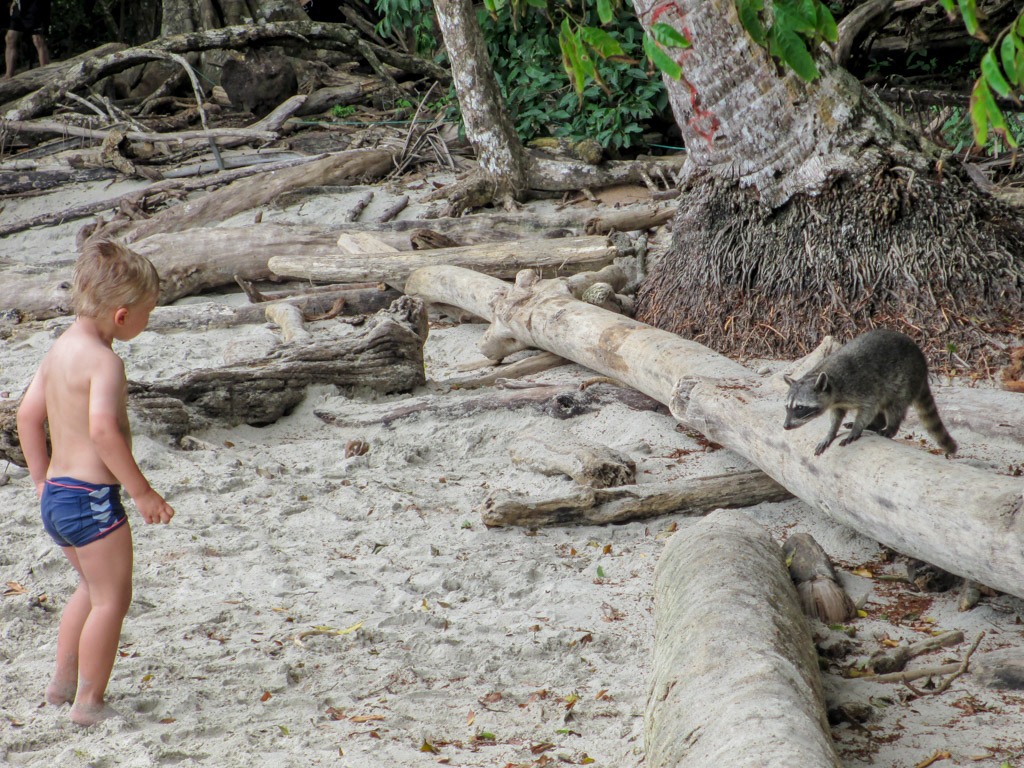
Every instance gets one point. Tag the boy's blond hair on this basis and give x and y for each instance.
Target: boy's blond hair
(108, 275)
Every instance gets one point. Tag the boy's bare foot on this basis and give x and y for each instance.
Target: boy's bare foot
(90, 714)
(58, 692)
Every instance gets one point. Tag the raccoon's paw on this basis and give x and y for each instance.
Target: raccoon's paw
(820, 447)
(848, 440)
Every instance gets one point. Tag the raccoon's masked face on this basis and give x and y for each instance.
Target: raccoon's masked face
(805, 400)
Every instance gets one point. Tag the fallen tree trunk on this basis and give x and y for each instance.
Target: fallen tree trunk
(735, 679)
(944, 512)
(254, 192)
(590, 506)
(564, 256)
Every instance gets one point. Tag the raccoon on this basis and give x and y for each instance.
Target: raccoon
(880, 374)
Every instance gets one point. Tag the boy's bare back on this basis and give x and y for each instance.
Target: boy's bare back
(83, 382)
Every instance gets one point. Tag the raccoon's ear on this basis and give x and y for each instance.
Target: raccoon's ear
(788, 379)
(821, 383)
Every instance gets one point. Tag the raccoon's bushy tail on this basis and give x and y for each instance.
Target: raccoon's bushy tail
(929, 415)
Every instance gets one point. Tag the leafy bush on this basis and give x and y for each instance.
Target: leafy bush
(528, 63)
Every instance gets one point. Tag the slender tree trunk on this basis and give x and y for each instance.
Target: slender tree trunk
(488, 125)
(810, 208)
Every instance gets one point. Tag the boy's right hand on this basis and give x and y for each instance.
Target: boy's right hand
(153, 508)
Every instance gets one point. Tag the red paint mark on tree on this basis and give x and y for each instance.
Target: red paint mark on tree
(704, 123)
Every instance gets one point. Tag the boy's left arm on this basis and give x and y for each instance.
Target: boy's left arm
(32, 431)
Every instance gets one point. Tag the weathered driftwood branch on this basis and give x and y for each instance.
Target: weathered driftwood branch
(560, 402)
(252, 193)
(735, 679)
(561, 256)
(551, 175)
(856, 25)
(62, 128)
(543, 361)
(601, 506)
(629, 220)
(288, 318)
(590, 464)
(944, 512)
(895, 659)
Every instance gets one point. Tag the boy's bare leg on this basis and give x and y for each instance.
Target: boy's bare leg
(107, 570)
(62, 687)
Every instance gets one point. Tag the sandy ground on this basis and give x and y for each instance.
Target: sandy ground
(308, 609)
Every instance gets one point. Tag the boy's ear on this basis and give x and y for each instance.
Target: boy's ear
(120, 315)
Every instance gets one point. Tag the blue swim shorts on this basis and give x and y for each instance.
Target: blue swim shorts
(76, 513)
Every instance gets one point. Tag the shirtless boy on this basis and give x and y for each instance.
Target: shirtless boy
(81, 390)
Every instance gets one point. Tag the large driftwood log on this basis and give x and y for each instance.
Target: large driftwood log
(255, 192)
(189, 262)
(601, 506)
(564, 256)
(384, 355)
(956, 516)
(735, 679)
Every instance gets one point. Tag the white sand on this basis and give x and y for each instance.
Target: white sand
(241, 647)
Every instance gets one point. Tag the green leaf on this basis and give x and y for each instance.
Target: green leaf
(604, 45)
(950, 7)
(791, 17)
(600, 572)
(661, 60)
(969, 10)
(979, 114)
(827, 27)
(542, 4)
(1008, 52)
(994, 75)
(792, 49)
(985, 112)
(668, 36)
(604, 11)
(749, 12)
(571, 57)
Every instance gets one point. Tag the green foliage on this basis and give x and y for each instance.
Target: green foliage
(340, 111)
(607, 97)
(414, 16)
(1002, 74)
(790, 31)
